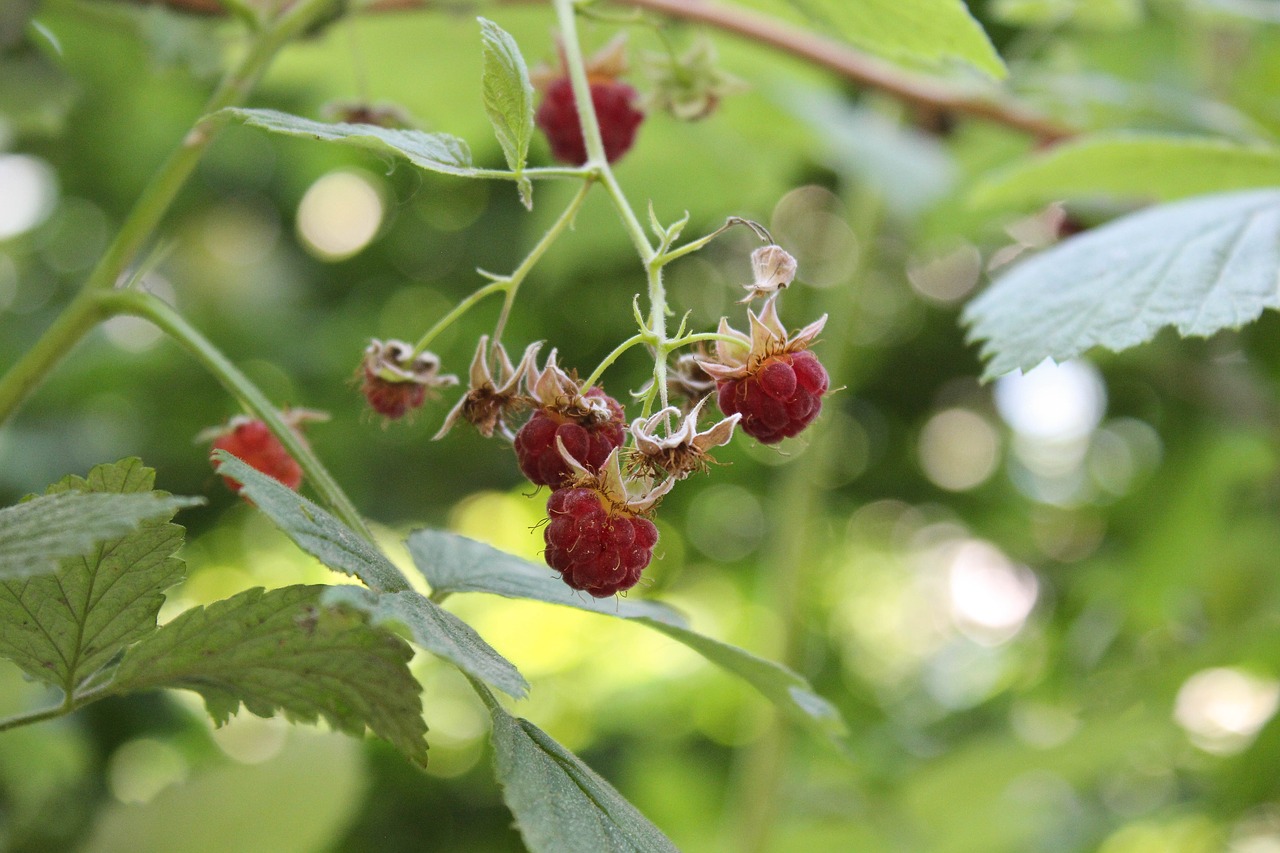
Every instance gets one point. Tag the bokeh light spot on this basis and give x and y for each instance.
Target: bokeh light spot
(340, 214)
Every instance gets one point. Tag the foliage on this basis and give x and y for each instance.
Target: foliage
(1003, 612)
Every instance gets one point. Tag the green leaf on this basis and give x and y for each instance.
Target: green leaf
(36, 534)
(508, 99)
(560, 804)
(312, 528)
(435, 152)
(1085, 14)
(453, 563)
(1142, 166)
(281, 650)
(331, 542)
(62, 628)
(1197, 265)
(436, 630)
(921, 31)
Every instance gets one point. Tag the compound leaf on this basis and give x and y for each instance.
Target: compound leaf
(453, 563)
(281, 650)
(1198, 265)
(1129, 165)
(560, 804)
(61, 628)
(508, 99)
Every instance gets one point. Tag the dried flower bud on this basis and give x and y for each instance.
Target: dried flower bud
(491, 399)
(774, 269)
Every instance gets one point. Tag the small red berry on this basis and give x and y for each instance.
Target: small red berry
(253, 443)
(778, 399)
(616, 112)
(597, 547)
(588, 438)
(395, 381)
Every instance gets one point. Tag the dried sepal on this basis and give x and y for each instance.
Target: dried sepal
(557, 391)
(743, 354)
(684, 450)
(493, 394)
(630, 495)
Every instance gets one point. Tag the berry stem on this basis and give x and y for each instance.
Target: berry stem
(164, 317)
(84, 312)
(609, 359)
(502, 285)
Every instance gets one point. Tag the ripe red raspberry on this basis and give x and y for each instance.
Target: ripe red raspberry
(616, 113)
(589, 439)
(596, 546)
(777, 400)
(395, 381)
(251, 442)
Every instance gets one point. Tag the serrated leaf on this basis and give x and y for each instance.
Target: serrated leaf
(64, 627)
(436, 630)
(282, 651)
(453, 563)
(508, 99)
(1198, 265)
(921, 31)
(435, 152)
(1142, 166)
(333, 543)
(560, 804)
(36, 534)
(312, 528)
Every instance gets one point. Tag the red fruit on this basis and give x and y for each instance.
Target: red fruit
(778, 399)
(251, 442)
(616, 113)
(597, 547)
(392, 400)
(589, 440)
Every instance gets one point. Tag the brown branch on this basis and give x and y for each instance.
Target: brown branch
(836, 56)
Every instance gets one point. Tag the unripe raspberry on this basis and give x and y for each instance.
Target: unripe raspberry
(616, 112)
(597, 546)
(589, 437)
(253, 443)
(777, 400)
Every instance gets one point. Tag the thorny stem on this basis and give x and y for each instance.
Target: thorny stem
(84, 312)
(168, 320)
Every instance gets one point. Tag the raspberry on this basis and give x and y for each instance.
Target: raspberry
(395, 381)
(392, 400)
(618, 117)
(251, 442)
(596, 549)
(778, 399)
(588, 439)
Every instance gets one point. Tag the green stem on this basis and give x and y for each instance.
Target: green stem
(458, 310)
(33, 717)
(699, 337)
(609, 359)
(83, 312)
(168, 320)
(553, 233)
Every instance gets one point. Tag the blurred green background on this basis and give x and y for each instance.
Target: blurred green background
(1048, 607)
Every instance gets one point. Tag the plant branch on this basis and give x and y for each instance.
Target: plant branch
(833, 55)
(168, 320)
(83, 312)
